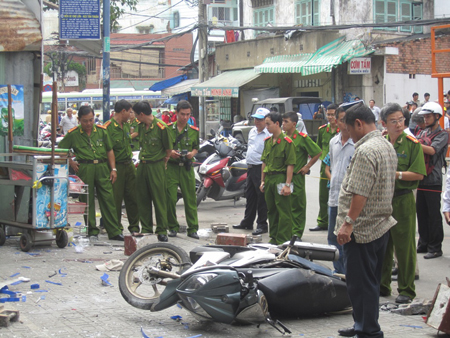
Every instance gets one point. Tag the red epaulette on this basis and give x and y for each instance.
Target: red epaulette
(323, 126)
(74, 128)
(303, 134)
(294, 136)
(100, 126)
(267, 138)
(194, 127)
(107, 123)
(411, 138)
(288, 139)
(160, 125)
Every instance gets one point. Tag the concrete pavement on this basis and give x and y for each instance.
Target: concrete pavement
(81, 307)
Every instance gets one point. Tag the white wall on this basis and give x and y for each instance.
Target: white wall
(399, 88)
(441, 8)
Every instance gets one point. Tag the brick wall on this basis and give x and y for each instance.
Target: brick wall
(414, 56)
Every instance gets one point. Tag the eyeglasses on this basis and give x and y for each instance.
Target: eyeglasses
(394, 122)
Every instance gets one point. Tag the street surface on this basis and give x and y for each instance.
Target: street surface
(80, 306)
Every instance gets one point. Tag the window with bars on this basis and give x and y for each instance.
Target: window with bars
(398, 10)
(222, 13)
(225, 108)
(307, 12)
(263, 16)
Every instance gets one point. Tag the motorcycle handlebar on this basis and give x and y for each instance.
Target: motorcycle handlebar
(293, 240)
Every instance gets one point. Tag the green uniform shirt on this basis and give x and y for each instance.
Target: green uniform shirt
(410, 158)
(86, 147)
(304, 146)
(189, 140)
(277, 156)
(121, 140)
(324, 137)
(154, 141)
(135, 141)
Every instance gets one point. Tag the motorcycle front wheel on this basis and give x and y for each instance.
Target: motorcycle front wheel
(201, 194)
(138, 285)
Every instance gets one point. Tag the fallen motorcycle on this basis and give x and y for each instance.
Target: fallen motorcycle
(229, 284)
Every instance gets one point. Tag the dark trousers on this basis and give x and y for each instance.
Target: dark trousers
(428, 205)
(364, 262)
(254, 200)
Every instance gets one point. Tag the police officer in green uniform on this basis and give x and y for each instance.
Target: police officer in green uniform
(93, 149)
(304, 146)
(125, 186)
(180, 172)
(277, 168)
(133, 122)
(156, 146)
(410, 171)
(326, 133)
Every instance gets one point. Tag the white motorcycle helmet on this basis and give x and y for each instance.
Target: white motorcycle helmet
(431, 107)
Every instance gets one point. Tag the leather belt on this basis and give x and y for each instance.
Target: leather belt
(124, 163)
(401, 192)
(274, 172)
(178, 164)
(91, 161)
(148, 161)
(253, 165)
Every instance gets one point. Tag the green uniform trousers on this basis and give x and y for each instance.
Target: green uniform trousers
(125, 190)
(322, 218)
(298, 201)
(96, 176)
(179, 177)
(151, 188)
(279, 211)
(402, 240)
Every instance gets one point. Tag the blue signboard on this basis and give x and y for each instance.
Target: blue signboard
(79, 19)
(147, 97)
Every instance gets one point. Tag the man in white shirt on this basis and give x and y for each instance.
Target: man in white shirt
(376, 112)
(68, 122)
(255, 198)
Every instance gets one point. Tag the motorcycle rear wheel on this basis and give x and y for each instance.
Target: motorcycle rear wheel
(138, 286)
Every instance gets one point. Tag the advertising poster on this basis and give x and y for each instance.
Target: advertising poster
(43, 198)
(17, 109)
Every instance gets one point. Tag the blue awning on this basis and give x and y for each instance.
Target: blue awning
(177, 98)
(158, 86)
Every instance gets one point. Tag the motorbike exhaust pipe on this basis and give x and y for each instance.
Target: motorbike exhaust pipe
(163, 273)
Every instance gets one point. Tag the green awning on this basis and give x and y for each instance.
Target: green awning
(333, 54)
(283, 63)
(323, 60)
(226, 84)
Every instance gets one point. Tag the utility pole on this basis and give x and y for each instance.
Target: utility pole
(106, 59)
(203, 65)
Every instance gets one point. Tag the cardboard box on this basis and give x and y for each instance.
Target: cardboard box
(439, 314)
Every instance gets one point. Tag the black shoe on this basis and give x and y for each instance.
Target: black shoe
(348, 332)
(422, 249)
(242, 227)
(394, 272)
(402, 299)
(119, 237)
(163, 238)
(416, 277)
(431, 255)
(172, 233)
(194, 235)
(259, 231)
(318, 228)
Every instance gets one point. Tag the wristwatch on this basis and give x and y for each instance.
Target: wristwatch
(400, 175)
(114, 169)
(348, 220)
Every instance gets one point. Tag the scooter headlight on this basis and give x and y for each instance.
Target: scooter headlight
(197, 281)
(203, 169)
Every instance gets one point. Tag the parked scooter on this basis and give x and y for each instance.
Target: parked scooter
(229, 284)
(223, 173)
